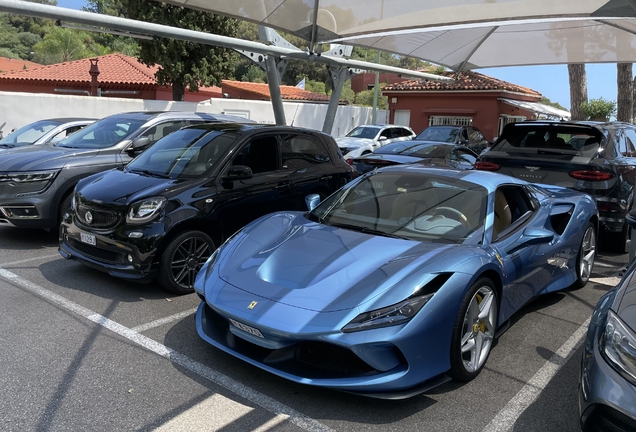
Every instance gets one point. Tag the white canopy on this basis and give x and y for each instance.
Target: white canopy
(538, 108)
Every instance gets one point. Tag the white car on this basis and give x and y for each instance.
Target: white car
(366, 138)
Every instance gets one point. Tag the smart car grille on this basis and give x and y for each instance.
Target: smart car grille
(96, 253)
(101, 219)
(332, 358)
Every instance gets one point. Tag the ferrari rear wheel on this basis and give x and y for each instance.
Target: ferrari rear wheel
(585, 257)
(182, 259)
(474, 331)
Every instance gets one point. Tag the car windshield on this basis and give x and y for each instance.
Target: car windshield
(440, 134)
(364, 132)
(186, 153)
(417, 150)
(414, 205)
(563, 143)
(30, 133)
(103, 134)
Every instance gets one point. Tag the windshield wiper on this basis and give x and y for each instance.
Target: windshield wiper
(7, 145)
(366, 230)
(148, 173)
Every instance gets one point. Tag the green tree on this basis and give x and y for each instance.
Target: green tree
(254, 74)
(61, 45)
(546, 101)
(365, 98)
(184, 64)
(598, 109)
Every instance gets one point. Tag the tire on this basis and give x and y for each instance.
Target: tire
(474, 331)
(616, 242)
(585, 257)
(65, 206)
(182, 259)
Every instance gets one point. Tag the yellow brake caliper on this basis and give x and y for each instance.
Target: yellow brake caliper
(480, 325)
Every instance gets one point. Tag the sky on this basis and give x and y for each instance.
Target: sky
(551, 81)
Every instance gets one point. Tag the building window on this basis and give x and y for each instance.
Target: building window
(449, 120)
(505, 119)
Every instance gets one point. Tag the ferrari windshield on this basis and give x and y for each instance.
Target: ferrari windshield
(364, 132)
(103, 134)
(187, 153)
(31, 132)
(414, 205)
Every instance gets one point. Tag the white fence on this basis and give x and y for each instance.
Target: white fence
(19, 109)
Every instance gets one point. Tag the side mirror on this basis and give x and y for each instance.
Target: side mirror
(383, 138)
(630, 219)
(238, 172)
(532, 236)
(139, 143)
(312, 201)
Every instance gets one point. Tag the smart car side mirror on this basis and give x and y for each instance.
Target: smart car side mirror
(139, 143)
(312, 201)
(630, 219)
(238, 172)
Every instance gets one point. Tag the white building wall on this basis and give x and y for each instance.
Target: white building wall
(19, 109)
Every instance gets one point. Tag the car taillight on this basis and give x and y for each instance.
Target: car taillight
(349, 161)
(589, 175)
(486, 166)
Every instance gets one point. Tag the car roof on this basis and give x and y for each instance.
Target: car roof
(246, 127)
(71, 119)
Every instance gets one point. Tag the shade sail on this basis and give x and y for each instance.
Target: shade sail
(343, 18)
(538, 108)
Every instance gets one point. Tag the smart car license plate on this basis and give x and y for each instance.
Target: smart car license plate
(88, 238)
(247, 329)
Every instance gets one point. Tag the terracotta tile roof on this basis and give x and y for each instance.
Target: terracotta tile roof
(465, 81)
(261, 91)
(9, 65)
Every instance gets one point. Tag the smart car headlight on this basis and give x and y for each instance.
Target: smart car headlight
(145, 210)
(396, 314)
(618, 344)
(28, 177)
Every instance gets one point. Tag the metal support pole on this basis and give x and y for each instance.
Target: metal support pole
(376, 90)
(338, 77)
(273, 81)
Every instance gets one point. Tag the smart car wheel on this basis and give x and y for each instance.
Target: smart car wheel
(182, 259)
(64, 208)
(474, 331)
(585, 257)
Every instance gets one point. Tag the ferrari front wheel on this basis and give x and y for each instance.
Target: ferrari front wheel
(474, 331)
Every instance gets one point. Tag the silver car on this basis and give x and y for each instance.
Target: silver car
(44, 131)
(365, 139)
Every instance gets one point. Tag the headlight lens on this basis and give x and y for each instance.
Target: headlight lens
(146, 210)
(27, 177)
(619, 346)
(389, 316)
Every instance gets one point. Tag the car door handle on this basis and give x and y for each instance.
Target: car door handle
(282, 186)
(325, 178)
(301, 171)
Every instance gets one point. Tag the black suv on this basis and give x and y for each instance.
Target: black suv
(592, 157)
(166, 212)
(36, 181)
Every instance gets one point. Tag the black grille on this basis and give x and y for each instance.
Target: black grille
(606, 419)
(102, 219)
(330, 357)
(96, 253)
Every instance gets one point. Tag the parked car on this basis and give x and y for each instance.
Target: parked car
(36, 181)
(468, 136)
(165, 213)
(368, 138)
(395, 283)
(432, 154)
(595, 158)
(44, 131)
(607, 385)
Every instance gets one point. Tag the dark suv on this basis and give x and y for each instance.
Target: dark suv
(592, 157)
(166, 212)
(36, 181)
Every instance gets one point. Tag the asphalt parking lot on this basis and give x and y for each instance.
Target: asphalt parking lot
(84, 351)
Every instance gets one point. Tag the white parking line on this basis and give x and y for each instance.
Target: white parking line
(282, 412)
(609, 281)
(506, 418)
(31, 259)
(162, 321)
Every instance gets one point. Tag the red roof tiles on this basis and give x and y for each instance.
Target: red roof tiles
(261, 91)
(465, 81)
(9, 65)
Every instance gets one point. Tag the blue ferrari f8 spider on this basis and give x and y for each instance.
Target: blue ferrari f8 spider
(398, 282)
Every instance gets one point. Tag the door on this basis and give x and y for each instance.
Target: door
(402, 117)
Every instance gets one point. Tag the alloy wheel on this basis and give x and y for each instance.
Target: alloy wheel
(479, 329)
(188, 259)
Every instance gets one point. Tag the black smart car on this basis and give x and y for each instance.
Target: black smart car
(592, 157)
(166, 212)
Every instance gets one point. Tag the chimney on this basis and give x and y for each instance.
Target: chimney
(94, 73)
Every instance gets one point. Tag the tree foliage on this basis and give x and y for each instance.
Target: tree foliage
(184, 64)
(598, 109)
(61, 45)
(547, 101)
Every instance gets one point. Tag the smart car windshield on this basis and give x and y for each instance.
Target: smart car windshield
(103, 134)
(413, 205)
(30, 133)
(439, 134)
(364, 132)
(187, 153)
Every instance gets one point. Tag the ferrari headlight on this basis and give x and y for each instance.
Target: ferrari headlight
(28, 177)
(146, 210)
(210, 263)
(619, 346)
(389, 316)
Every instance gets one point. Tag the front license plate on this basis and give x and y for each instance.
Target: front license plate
(247, 329)
(88, 238)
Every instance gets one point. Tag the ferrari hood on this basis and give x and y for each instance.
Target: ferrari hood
(289, 259)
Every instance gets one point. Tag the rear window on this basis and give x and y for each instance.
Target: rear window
(550, 140)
